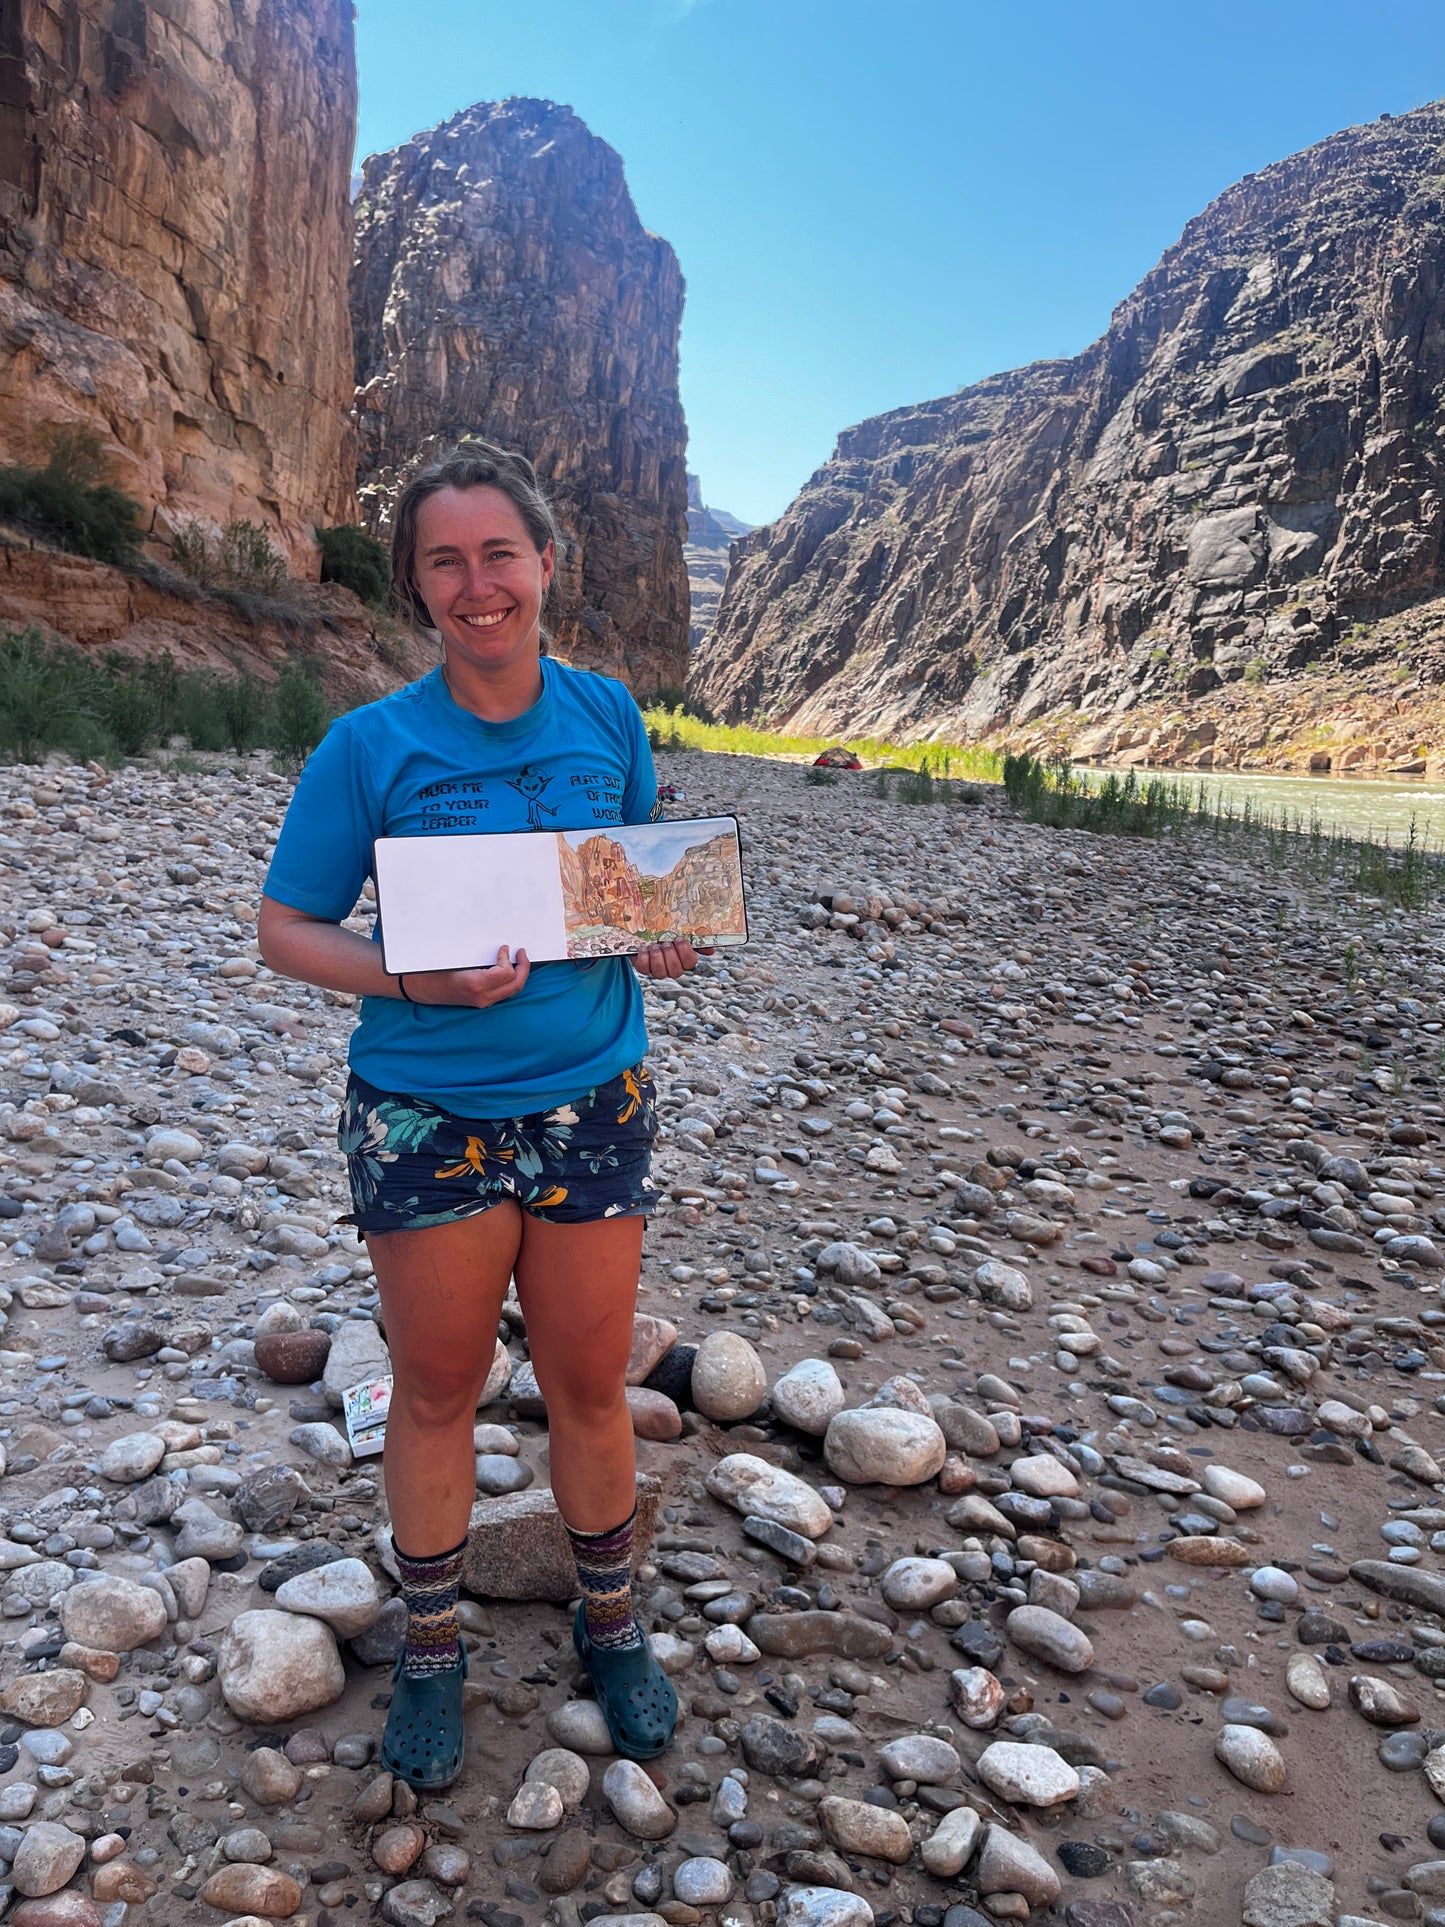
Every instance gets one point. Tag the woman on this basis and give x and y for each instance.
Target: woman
(498, 1123)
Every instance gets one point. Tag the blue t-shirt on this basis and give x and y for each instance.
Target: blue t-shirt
(418, 764)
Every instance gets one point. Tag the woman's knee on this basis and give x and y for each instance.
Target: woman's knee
(436, 1400)
(582, 1398)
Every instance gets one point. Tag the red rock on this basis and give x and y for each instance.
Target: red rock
(123, 1880)
(654, 1416)
(65, 1909)
(293, 1358)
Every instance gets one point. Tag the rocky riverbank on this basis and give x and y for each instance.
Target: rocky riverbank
(1036, 1389)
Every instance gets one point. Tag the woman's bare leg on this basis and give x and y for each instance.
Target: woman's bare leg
(441, 1296)
(578, 1288)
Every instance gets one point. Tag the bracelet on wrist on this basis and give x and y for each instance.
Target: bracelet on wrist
(401, 986)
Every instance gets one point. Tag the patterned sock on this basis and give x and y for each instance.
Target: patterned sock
(429, 1587)
(604, 1570)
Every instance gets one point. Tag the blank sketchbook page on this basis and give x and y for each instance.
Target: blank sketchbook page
(449, 902)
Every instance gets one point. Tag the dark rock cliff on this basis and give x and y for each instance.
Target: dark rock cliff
(504, 286)
(1249, 460)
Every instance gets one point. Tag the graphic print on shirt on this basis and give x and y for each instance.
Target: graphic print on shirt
(452, 805)
(530, 784)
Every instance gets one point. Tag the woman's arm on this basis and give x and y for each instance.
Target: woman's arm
(294, 944)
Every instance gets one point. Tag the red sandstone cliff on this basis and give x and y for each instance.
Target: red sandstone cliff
(174, 240)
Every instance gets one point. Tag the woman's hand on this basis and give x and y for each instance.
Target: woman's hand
(667, 959)
(473, 989)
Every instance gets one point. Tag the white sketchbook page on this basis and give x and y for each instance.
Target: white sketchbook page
(449, 902)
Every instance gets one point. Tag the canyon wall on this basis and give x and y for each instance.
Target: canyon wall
(1247, 466)
(503, 286)
(175, 234)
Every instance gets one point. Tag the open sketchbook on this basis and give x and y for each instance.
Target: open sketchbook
(449, 902)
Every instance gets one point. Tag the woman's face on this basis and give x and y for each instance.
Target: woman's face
(480, 576)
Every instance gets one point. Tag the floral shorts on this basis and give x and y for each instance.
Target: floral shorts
(412, 1164)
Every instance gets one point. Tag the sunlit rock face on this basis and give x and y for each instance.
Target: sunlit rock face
(1245, 464)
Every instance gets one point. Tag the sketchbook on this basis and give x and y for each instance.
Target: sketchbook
(450, 902)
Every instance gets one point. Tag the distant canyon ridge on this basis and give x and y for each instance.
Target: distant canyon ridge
(183, 275)
(1228, 491)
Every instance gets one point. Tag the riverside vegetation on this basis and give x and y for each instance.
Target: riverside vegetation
(1035, 1381)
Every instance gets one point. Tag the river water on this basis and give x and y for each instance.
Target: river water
(1379, 808)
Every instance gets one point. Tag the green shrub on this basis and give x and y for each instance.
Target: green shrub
(241, 559)
(1256, 670)
(241, 708)
(818, 777)
(87, 518)
(132, 709)
(248, 561)
(301, 714)
(53, 697)
(41, 696)
(677, 700)
(192, 554)
(357, 561)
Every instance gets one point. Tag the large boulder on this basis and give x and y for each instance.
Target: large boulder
(277, 1666)
(517, 1547)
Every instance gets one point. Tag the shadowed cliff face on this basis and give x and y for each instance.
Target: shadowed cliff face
(174, 236)
(1248, 460)
(504, 286)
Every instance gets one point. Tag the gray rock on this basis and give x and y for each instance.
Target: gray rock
(132, 1340)
(113, 1614)
(580, 1726)
(204, 1534)
(857, 1826)
(276, 1666)
(321, 1442)
(809, 1396)
(1251, 1756)
(913, 1585)
(919, 1756)
(636, 1804)
(358, 1351)
(753, 1487)
(884, 1445)
(1048, 1636)
(415, 1903)
(964, 1430)
(1002, 1285)
(343, 1594)
(128, 1460)
(771, 1747)
(500, 1472)
(1009, 1865)
(702, 1882)
(565, 1770)
(1033, 1776)
(1410, 1585)
(47, 1858)
(536, 1807)
(266, 1498)
(382, 1641)
(728, 1378)
(948, 1850)
(823, 1907)
(1288, 1895)
(797, 1635)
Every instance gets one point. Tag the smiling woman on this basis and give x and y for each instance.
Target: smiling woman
(498, 1121)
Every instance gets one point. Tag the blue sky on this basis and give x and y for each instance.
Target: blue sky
(878, 201)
